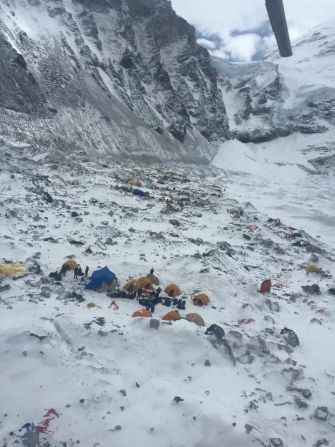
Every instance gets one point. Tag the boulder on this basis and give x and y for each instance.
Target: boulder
(321, 413)
(154, 323)
(290, 337)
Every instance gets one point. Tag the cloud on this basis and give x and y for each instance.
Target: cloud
(242, 26)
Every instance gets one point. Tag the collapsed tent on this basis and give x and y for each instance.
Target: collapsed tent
(173, 315)
(142, 313)
(201, 299)
(195, 318)
(12, 269)
(134, 182)
(172, 290)
(102, 280)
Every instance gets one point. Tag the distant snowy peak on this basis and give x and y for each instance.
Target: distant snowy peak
(278, 97)
(117, 76)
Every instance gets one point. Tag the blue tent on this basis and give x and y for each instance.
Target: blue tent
(101, 278)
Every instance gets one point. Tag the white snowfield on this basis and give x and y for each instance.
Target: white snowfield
(279, 176)
(111, 379)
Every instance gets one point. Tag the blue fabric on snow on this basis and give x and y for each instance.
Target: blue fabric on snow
(99, 277)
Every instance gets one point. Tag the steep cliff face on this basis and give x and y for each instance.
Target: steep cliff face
(114, 76)
(278, 97)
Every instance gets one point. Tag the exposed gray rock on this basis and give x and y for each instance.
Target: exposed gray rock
(303, 391)
(154, 323)
(300, 403)
(314, 289)
(321, 413)
(276, 442)
(290, 336)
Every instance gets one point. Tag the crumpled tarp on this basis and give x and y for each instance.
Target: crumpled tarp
(12, 269)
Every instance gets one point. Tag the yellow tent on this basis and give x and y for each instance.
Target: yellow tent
(134, 182)
(13, 269)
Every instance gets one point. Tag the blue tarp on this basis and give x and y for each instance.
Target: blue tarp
(138, 192)
(100, 277)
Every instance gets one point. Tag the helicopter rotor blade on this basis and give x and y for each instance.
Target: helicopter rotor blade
(278, 22)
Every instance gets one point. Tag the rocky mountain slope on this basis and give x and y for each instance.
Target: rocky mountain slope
(277, 97)
(108, 76)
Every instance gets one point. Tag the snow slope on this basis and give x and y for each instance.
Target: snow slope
(290, 176)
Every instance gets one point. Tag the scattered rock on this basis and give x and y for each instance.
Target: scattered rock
(321, 413)
(207, 363)
(178, 399)
(175, 222)
(300, 403)
(4, 287)
(276, 442)
(290, 337)
(75, 242)
(331, 291)
(321, 442)
(117, 428)
(154, 323)
(306, 393)
(314, 289)
(216, 330)
(246, 359)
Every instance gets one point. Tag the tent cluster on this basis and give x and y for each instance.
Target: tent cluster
(146, 291)
(173, 315)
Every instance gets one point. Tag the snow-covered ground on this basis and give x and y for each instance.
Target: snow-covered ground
(279, 179)
(110, 378)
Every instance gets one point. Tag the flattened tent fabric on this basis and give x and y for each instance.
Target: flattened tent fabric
(102, 279)
(12, 269)
(142, 313)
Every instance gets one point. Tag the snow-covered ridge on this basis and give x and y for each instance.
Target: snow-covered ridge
(119, 77)
(278, 97)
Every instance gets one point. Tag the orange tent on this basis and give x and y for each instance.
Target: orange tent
(130, 286)
(172, 290)
(71, 264)
(201, 299)
(173, 315)
(144, 283)
(142, 313)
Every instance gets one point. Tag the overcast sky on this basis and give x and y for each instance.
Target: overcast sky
(238, 29)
